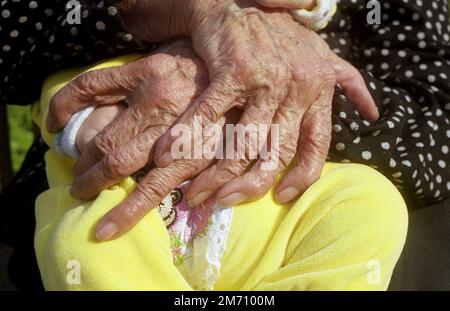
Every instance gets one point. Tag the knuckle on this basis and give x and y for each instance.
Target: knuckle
(149, 62)
(260, 184)
(351, 71)
(152, 191)
(283, 162)
(328, 77)
(234, 169)
(209, 112)
(321, 143)
(287, 154)
(84, 81)
(157, 64)
(269, 78)
(115, 167)
(89, 81)
(101, 144)
(247, 70)
(277, 72)
(302, 77)
(130, 214)
(264, 183)
(317, 140)
(187, 168)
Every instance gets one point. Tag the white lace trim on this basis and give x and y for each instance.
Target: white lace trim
(202, 268)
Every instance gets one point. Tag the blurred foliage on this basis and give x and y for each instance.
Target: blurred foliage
(20, 123)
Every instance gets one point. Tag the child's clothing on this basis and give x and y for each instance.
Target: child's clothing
(346, 232)
(317, 18)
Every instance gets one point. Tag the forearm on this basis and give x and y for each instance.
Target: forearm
(288, 4)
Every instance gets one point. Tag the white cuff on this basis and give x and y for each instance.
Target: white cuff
(317, 18)
(65, 140)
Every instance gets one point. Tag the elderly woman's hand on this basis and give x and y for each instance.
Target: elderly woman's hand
(265, 63)
(282, 74)
(157, 89)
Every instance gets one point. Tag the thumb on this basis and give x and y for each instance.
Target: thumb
(354, 87)
(104, 86)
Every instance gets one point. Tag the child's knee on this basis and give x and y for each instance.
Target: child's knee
(69, 252)
(375, 203)
(366, 207)
(71, 258)
(381, 201)
(371, 219)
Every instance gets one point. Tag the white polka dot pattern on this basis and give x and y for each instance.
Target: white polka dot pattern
(36, 38)
(406, 62)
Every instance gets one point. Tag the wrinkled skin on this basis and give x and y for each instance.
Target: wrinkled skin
(288, 4)
(157, 90)
(266, 64)
(286, 75)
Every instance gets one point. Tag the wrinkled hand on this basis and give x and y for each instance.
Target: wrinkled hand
(281, 73)
(99, 119)
(157, 90)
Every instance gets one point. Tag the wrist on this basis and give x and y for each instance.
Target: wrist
(160, 20)
(289, 4)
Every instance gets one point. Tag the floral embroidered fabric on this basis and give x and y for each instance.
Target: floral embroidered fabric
(198, 236)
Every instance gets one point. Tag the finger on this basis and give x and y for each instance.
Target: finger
(347, 76)
(243, 146)
(125, 127)
(107, 85)
(354, 87)
(313, 146)
(214, 102)
(96, 122)
(158, 102)
(275, 156)
(152, 189)
(117, 165)
(123, 162)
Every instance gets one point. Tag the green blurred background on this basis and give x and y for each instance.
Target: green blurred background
(20, 133)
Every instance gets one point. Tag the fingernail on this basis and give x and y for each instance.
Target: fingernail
(377, 114)
(199, 198)
(106, 232)
(232, 199)
(164, 160)
(287, 194)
